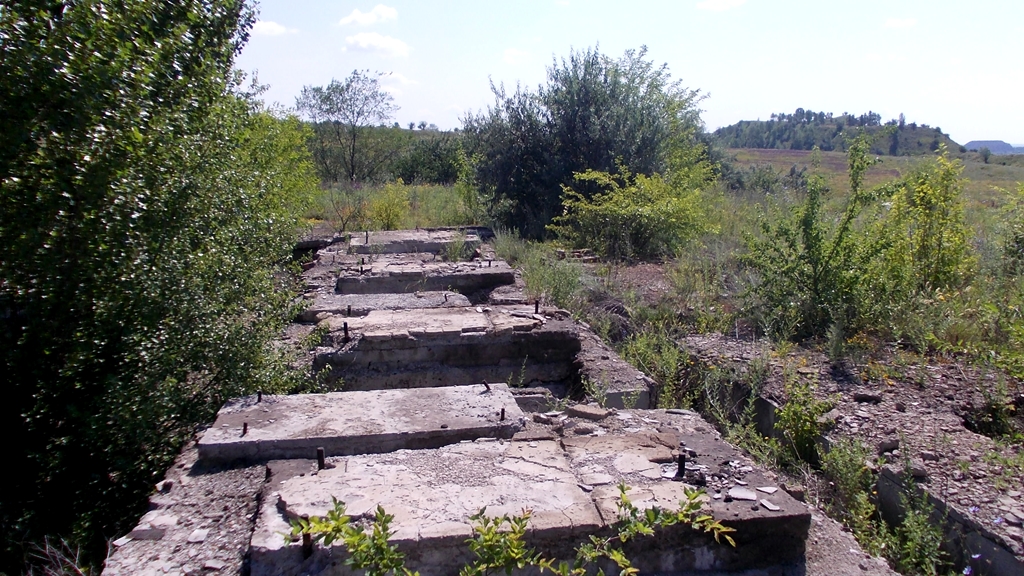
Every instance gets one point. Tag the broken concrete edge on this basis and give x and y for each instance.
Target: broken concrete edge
(429, 240)
(967, 542)
(259, 428)
(639, 452)
(359, 305)
(464, 282)
(669, 549)
(199, 519)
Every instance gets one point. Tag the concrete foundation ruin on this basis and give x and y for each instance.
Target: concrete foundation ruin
(450, 402)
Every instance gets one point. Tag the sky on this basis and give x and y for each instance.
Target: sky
(956, 65)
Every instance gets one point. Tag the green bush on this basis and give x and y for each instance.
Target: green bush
(1013, 233)
(655, 353)
(389, 206)
(919, 240)
(797, 420)
(145, 204)
(633, 217)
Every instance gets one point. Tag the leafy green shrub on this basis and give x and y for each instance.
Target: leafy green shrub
(809, 268)
(797, 420)
(919, 240)
(593, 113)
(655, 353)
(633, 217)
(146, 201)
(389, 206)
(1013, 234)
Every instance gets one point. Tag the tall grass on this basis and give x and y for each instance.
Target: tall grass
(397, 206)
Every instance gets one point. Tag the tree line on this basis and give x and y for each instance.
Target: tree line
(807, 129)
(615, 115)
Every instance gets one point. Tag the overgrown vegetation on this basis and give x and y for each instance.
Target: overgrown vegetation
(912, 546)
(146, 200)
(595, 113)
(499, 543)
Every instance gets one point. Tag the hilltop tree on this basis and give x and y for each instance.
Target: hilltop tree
(352, 141)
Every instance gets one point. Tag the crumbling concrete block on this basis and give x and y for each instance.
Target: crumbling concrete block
(345, 423)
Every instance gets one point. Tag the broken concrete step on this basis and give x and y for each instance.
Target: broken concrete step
(610, 379)
(396, 275)
(362, 304)
(346, 423)
(432, 493)
(449, 347)
(425, 240)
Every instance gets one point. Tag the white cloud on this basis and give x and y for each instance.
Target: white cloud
(515, 57)
(401, 79)
(380, 13)
(268, 28)
(720, 5)
(901, 22)
(373, 42)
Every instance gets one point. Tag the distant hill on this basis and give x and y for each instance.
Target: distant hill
(805, 129)
(994, 146)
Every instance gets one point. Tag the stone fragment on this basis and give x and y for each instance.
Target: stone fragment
(541, 418)
(917, 469)
(796, 491)
(214, 564)
(888, 445)
(739, 493)
(122, 541)
(584, 429)
(767, 489)
(595, 413)
(829, 419)
(870, 397)
(769, 505)
(597, 479)
(146, 532)
(929, 456)
(198, 535)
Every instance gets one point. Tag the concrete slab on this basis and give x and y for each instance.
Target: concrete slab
(411, 274)
(424, 240)
(449, 346)
(610, 379)
(324, 305)
(432, 493)
(358, 422)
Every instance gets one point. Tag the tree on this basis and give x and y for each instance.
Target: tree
(593, 113)
(352, 141)
(985, 154)
(145, 202)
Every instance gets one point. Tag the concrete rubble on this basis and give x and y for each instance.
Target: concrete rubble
(448, 407)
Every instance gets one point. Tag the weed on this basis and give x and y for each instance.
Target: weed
(597, 390)
(654, 353)
(518, 380)
(499, 543)
(456, 249)
(798, 419)
(315, 337)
